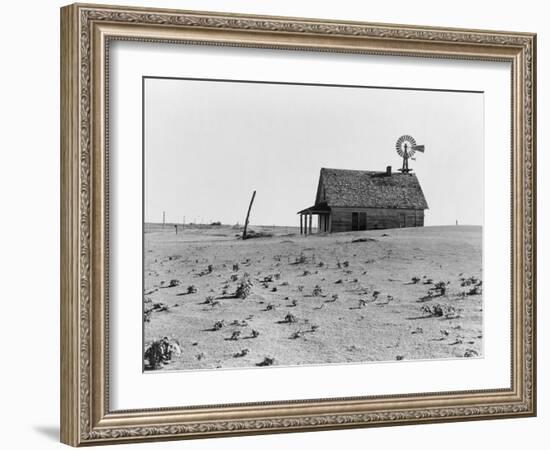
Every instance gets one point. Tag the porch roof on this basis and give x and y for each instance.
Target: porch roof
(319, 208)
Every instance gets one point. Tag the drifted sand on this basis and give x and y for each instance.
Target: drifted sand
(386, 328)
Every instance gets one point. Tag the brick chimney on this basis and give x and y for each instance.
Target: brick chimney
(388, 171)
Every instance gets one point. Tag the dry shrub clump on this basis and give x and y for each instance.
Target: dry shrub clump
(302, 259)
(160, 352)
(151, 307)
(297, 334)
(267, 361)
(440, 287)
(242, 353)
(290, 318)
(317, 291)
(218, 325)
(244, 289)
(438, 310)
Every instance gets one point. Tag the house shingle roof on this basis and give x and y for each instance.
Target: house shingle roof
(369, 189)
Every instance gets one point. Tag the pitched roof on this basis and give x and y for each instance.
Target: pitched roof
(369, 189)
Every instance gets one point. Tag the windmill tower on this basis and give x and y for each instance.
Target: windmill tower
(406, 148)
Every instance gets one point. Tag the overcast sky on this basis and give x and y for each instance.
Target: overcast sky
(208, 145)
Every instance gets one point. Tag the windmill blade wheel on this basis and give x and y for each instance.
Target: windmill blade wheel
(411, 144)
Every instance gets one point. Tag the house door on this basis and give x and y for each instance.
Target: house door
(402, 223)
(354, 221)
(362, 221)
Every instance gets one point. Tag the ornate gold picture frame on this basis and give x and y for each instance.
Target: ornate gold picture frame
(87, 31)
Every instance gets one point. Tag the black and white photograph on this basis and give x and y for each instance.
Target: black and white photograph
(290, 224)
(243, 225)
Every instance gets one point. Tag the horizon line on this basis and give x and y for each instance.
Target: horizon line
(211, 224)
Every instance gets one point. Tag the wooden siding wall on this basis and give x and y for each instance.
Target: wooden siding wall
(377, 218)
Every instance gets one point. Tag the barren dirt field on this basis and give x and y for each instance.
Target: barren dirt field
(399, 294)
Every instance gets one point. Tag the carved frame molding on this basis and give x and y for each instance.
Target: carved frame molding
(86, 31)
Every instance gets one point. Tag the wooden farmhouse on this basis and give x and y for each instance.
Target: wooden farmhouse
(350, 200)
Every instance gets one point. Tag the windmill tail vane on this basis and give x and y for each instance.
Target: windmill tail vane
(406, 147)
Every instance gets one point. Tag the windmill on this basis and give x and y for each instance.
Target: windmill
(406, 148)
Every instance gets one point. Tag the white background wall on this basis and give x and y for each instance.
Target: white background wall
(29, 229)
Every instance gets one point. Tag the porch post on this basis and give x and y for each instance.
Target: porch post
(301, 226)
(310, 223)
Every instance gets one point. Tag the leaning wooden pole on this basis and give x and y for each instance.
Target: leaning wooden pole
(248, 214)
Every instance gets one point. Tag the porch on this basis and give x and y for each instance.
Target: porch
(322, 211)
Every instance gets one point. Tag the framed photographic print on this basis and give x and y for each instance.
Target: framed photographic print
(275, 224)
